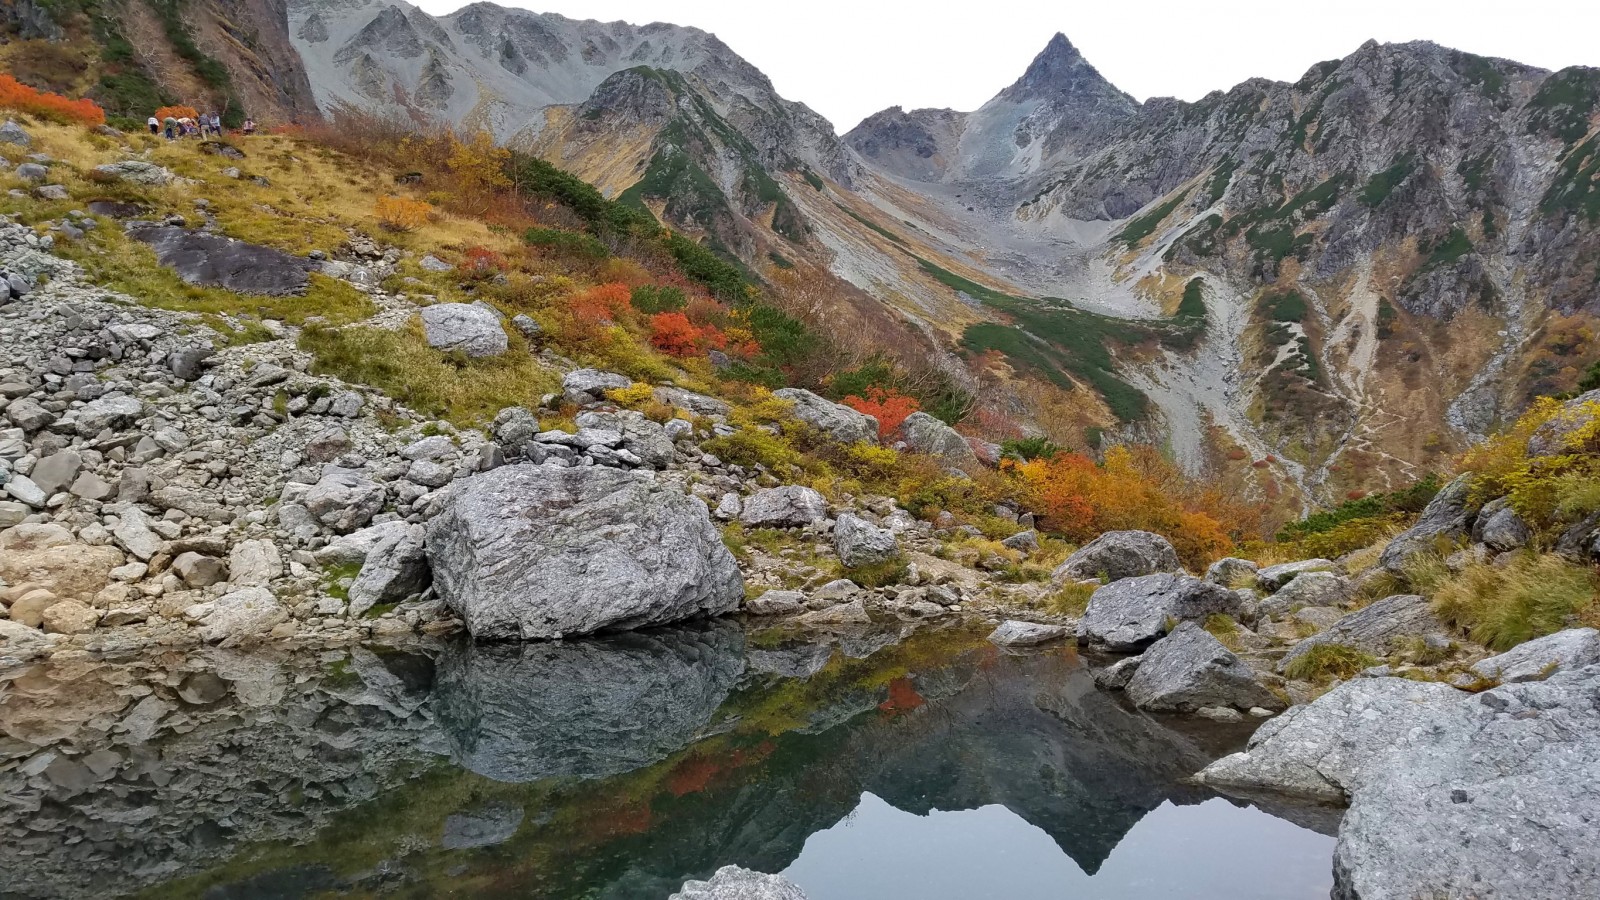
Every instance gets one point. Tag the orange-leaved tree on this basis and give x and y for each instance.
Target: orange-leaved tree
(20, 97)
(401, 213)
(176, 112)
(887, 405)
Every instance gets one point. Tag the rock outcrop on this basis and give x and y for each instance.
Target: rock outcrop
(1132, 613)
(837, 421)
(474, 330)
(1120, 554)
(1378, 629)
(1189, 669)
(542, 552)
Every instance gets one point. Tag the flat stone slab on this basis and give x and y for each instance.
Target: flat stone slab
(211, 260)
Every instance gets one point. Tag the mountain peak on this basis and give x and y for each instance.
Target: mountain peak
(1060, 71)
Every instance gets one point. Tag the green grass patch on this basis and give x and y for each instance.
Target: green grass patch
(1380, 186)
(1325, 662)
(1503, 606)
(1455, 245)
(1143, 226)
(566, 243)
(879, 229)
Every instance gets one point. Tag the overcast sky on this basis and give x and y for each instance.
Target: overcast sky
(850, 58)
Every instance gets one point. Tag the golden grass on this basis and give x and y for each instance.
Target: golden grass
(1535, 595)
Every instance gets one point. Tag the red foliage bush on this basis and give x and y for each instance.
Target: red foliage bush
(888, 406)
(18, 96)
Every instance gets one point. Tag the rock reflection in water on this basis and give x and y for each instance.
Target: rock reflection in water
(614, 767)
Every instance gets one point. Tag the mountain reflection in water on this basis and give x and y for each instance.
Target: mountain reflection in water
(871, 765)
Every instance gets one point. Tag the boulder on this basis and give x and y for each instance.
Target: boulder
(22, 488)
(1025, 542)
(245, 613)
(853, 612)
(1190, 669)
(540, 552)
(70, 617)
(254, 563)
(352, 549)
(1015, 633)
(1273, 578)
(1116, 676)
(789, 506)
(21, 643)
(483, 826)
(1119, 554)
(735, 883)
(1451, 794)
(860, 543)
(1540, 658)
(640, 436)
(1307, 589)
(1131, 613)
(923, 433)
(55, 472)
(134, 534)
(135, 171)
(71, 571)
(1554, 436)
(585, 386)
(395, 568)
(1446, 520)
(515, 429)
(698, 404)
(1499, 528)
(467, 327)
(776, 603)
(835, 420)
(1232, 572)
(1379, 629)
(12, 133)
(216, 261)
(344, 501)
(198, 571)
(114, 411)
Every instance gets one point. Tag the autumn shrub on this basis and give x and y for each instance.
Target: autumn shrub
(482, 260)
(401, 213)
(673, 334)
(888, 406)
(1535, 595)
(1538, 485)
(566, 243)
(176, 112)
(17, 96)
(634, 396)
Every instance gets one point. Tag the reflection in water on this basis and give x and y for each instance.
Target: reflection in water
(617, 768)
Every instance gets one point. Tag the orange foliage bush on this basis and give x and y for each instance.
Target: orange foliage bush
(673, 334)
(401, 213)
(482, 259)
(1135, 488)
(887, 405)
(602, 304)
(54, 107)
(176, 112)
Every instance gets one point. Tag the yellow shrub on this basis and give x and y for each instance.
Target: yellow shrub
(401, 213)
(634, 396)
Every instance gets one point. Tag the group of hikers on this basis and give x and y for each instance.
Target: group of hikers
(200, 125)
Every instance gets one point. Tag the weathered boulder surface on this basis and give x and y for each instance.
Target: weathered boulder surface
(1129, 614)
(395, 568)
(1451, 794)
(215, 261)
(1500, 528)
(735, 883)
(1446, 519)
(1016, 633)
(583, 386)
(540, 552)
(589, 707)
(1230, 571)
(467, 327)
(837, 421)
(860, 543)
(135, 171)
(925, 434)
(1378, 629)
(1189, 669)
(789, 506)
(1273, 578)
(1120, 554)
(1307, 589)
(75, 571)
(1540, 658)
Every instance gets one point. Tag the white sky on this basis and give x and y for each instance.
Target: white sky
(850, 58)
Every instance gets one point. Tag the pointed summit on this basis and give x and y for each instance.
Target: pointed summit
(1060, 74)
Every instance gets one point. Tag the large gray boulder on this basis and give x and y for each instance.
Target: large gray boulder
(467, 327)
(1540, 658)
(1575, 415)
(342, 501)
(1379, 629)
(640, 436)
(1446, 520)
(588, 707)
(216, 261)
(1129, 614)
(1451, 794)
(530, 551)
(585, 386)
(1189, 669)
(1274, 578)
(1307, 589)
(837, 421)
(1120, 554)
(1231, 571)
(735, 883)
(788, 506)
(925, 434)
(860, 543)
(395, 568)
(1017, 633)
(135, 171)
(1498, 527)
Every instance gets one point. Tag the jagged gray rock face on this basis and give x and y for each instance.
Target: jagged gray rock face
(1540, 658)
(1453, 794)
(640, 436)
(925, 434)
(1189, 669)
(1120, 554)
(860, 543)
(1132, 613)
(467, 327)
(1500, 528)
(1307, 589)
(735, 883)
(1273, 578)
(837, 421)
(540, 552)
(216, 261)
(1445, 520)
(584, 386)
(1378, 629)
(395, 568)
(585, 708)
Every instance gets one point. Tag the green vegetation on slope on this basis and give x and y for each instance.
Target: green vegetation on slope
(1381, 185)
(1143, 226)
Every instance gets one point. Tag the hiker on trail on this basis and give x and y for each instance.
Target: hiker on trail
(155, 125)
(172, 127)
(216, 125)
(249, 125)
(205, 124)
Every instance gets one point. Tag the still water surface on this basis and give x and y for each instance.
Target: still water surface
(866, 766)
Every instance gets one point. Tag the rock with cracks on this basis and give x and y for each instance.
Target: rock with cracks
(1129, 614)
(1120, 554)
(789, 506)
(467, 327)
(839, 422)
(541, 552)
(860, 543)
(735, 883)
(1190, 669)
(1379, 629)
